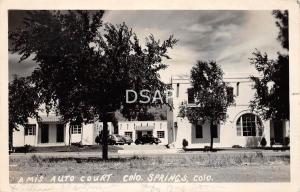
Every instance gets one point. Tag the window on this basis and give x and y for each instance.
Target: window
(160, 134)
(229, 94)
(76, 129)
(30, 129)
(215, 131)
(177, 90)
(191, 98)
(237, 88)
(175, 124)
(249, 125)
(129, 134)
(199, 130)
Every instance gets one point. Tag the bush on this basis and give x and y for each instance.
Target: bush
(185, 143)
(263, 142)
(286, 141)
(77, 144)
(25, 149)
(272, 141)
(98, 140)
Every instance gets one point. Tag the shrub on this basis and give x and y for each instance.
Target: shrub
(98, 140)
(272, 141)
(28, 148)
(286, 141)
(206, 148)
(263, 142)
(77, 144)
(237, 146)
(185, 143)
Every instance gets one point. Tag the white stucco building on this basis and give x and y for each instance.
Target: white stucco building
(242, 127)
(50, 131)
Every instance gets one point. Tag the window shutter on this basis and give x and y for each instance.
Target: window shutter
(199, 131)
(26, 130)
(33, 129)
(229, 94)
(191, 97)
(238, 127)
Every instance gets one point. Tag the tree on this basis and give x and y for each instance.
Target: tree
(212, 96)
(271, 99)
(85, 67)
(23, 102)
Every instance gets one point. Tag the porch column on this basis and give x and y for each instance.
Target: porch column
(267, 131)
(67, 134)
(37, 134)
(286, 128)
(81, 139)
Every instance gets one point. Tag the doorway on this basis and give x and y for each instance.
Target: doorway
(278, 132)
(45, 133)
(60, 133)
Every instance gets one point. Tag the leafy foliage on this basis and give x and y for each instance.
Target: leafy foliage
(271, 100)
(211, 95)
(85, 66)
(283, 25)
(23, 103)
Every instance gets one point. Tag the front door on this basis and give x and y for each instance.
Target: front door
(45, 133)
(60, 133)
(278, 132)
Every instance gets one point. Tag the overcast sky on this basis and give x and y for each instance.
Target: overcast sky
(229, 37)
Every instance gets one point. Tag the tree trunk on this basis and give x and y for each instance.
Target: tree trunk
(105, 137)
(211, 135)
(10, 136)
(70, 135)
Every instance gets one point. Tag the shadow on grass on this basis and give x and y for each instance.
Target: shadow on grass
(204, 149)
(285, 148)
(72, 148)
(84, 159)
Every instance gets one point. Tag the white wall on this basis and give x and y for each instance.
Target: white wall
(19, 137)
(130, 126)
(227, 130)
(88, 134)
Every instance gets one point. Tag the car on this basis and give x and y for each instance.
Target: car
(115, 139)
(127, 139)
(147, 139)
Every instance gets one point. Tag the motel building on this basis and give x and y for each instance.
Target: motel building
(49, 130)
(242, 127)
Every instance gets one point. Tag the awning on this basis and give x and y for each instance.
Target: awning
(49, 119)
(142, 128)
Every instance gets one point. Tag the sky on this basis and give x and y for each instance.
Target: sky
(227, 37)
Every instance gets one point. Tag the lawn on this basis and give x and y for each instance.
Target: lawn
(207, 167)
(72, 148)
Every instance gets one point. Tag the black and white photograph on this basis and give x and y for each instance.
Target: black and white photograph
(149, 96)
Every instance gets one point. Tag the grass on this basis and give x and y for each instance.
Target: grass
(219, 165)
(158, 162)
(72, 148)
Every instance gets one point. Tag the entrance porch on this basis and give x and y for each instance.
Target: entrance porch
(51, 132)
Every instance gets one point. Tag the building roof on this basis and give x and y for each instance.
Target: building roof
(49, 119)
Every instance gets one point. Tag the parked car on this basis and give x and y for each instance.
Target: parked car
(147, 139)
(115, 140)
(127, 139)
